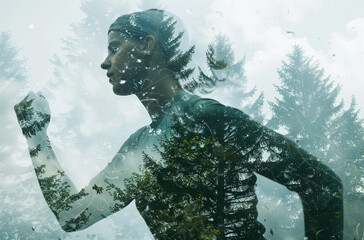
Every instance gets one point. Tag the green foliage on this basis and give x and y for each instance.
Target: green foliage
(176, 59)
(308, 110)
(77, 222)
(216, 58)
(34, 151)
(345, 153)
(57, 194)
(97, 189)
(229, 76)
(196, 190)
(307, 103)
(171, 213)
(121, 199)
(23, 216)
(139, 24)
(29, 123)
(347, 130)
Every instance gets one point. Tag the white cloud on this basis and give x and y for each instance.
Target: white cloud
(346, 66)
(258, 29)
(248, 19)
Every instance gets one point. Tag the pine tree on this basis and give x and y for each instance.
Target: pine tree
(82, 82)
(13, 75)
(21, 214)
(200, 188)
(82, 122)
(78, 81)
(306, 104)
(305, 107)
(308, 111)
(346, 152)
(13, 81)
(347, 141)
(228, 77)
(11, 68)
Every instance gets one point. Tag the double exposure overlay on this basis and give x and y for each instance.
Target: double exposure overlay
(192, 171)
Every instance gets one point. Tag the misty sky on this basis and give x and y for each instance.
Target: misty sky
(263, 31)
(332, 31)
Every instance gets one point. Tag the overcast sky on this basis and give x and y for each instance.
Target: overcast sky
(264, 31)
(332, 31)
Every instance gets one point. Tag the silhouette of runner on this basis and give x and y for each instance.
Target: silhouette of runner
(144, 59)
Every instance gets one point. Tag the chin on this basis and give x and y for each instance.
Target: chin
(122, 90)
(126, 89)
(130, 87)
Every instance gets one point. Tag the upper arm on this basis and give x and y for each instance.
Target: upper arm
(105, 193)
(264, 151)
(272, 155)
(294, 167)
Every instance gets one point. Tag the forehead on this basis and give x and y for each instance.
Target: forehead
(117, 36)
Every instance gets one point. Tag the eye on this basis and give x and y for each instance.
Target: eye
(114, 49)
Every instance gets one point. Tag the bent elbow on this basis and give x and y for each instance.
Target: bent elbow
(69, 225)
(79, 222)
(72, 226)
(68, 228)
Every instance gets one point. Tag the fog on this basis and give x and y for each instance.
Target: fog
(63, 44)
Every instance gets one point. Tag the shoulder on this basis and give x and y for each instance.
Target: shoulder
(208, 113)
(213, 111)
(192, 103)
(133, 141)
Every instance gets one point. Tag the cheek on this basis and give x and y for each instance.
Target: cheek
(133, 64)
(125, 59)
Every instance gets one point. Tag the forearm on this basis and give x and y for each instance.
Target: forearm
(74, 210)
(44, 160)
(319, 188)
(56, 187)
(323, 209)
(321, 192)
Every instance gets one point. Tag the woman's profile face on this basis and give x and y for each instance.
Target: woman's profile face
(125, 65)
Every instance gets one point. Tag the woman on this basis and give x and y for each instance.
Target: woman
(144, 59)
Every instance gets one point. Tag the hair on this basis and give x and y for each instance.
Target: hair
(155, 22)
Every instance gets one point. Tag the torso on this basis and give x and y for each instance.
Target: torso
(146, 138)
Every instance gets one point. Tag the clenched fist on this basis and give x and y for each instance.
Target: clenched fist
(33, 114)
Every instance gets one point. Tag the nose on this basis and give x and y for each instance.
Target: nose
(105, 64)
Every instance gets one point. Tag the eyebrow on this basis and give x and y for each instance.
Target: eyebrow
(114, 43)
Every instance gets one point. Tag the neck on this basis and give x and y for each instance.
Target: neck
(158, 96)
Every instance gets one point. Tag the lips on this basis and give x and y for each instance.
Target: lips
(109, 75)
(113, 81)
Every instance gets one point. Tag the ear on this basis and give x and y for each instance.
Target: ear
(148, 45)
